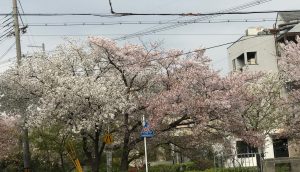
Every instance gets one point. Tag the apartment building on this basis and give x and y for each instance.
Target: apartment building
(258, 50)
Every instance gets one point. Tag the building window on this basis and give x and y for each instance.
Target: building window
(280, 147)
(244, 150)
(292, 85)
(240, 60)
(233, 65)
(251, 58)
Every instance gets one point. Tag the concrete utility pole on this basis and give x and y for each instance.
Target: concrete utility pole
(25, 141)
(145, 145)
(108, 159)
(17, 31)
(108, 154)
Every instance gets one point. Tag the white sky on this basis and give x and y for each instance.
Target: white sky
(185, 42)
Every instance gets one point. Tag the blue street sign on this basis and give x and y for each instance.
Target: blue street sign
(147, 131)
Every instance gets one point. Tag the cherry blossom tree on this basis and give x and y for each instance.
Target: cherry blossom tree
(145, 72)
(95, 85)
(256, 106)
(89, 87)
(67, 86)
(8, 137)
(245, 105)
(289, 63)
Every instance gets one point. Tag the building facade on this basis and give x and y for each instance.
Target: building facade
(258, 50)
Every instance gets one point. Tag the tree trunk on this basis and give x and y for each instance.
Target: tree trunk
(95, 164)
(125, 151)
(96, 159)
(62, 161)
(124, 161)
(26, 152)
(94, 156)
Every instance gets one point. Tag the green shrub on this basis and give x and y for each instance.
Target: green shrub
(241, 169)
(188, 166)
(202, 165)
(164, 168)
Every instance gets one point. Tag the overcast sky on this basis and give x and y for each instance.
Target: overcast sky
(186, 37)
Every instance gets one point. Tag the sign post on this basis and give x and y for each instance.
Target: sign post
(147, 132)
(108, 139)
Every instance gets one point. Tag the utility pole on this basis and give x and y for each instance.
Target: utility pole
(108, 154)
(17, 31)
(145, 145)
(25, 141)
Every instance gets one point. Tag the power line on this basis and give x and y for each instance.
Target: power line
(4, 17)
(171, 56)
(24, 28)
(147, 22)
(21, 6)
(62, 14)
(168, 14)
(188, 52)
(199, 50)
(3, 40)
(6, 22)
(7, 29)
(7, 33)
(201, 18)
(186, 14)
(7, 51)
(22, 12)
(112, 34)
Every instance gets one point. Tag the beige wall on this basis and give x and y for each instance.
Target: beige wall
(294, 147)
(266, 52)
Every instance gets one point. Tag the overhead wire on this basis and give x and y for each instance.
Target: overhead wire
(3, 40)
(162, 58)
(21, 6)
(19, 2)
(8, 50)
(6, 29)
(201, 18)
(4, 17)
(7, 33)
(113, 34)
(6, 23)
(152, 27)
(62, 14)
(209, 14)
(188, 52)
(189, 14)
(250, 47)
(25, 26)
(147, 22)
(170, 14)
(6, 20)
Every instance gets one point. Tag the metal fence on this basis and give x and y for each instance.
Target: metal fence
(248, 162)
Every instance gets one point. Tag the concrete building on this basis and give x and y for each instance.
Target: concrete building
(258, 50)
(254, 53)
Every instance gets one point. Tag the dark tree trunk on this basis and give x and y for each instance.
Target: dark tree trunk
(61, 152)
(96, 159)
(95, 164)
(125, 157)
(26, 152)
(125, 149)
(61, 155)
(93, 157)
